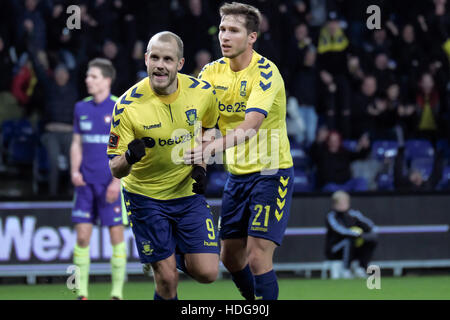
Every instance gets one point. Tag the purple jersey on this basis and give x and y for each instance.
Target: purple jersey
(93, 121)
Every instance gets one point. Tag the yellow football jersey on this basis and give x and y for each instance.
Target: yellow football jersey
(259, 87)
(168, 125)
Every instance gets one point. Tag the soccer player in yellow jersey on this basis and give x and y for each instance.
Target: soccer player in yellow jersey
(257, 195)
(151, 124)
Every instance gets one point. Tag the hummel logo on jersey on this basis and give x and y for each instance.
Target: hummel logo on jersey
(221, 88)
(152, 126)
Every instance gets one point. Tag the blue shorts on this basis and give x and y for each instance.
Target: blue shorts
(257, 205)
(90, 206)
(162, 226)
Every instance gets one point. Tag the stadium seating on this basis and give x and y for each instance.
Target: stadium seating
(444, 184)
(19, 140)
(40, 167)
(302, 181)
(350, 144)
(385, 182)
(299, 156)
(382, 149)
(443, 146)
(424, 165)
(216, 182)
(415, 149)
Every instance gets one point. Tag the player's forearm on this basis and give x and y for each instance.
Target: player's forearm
(119, 166)
(245, 131)
(76, 156)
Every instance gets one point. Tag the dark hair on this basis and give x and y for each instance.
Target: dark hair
(106, 67)
(251, 14)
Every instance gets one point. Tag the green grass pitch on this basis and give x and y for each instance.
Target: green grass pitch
(402, 288)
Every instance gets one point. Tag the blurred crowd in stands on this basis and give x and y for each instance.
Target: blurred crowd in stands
(366, 109)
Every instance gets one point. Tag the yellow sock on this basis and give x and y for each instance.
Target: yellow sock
(118, 269)
(82, 260)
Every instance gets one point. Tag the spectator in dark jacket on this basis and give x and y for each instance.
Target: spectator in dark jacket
(332, 65)
(120, 60)
(410, 57)
(383, 71)
(267, 44)
(333, 163)
(31, 25)
(362, 101)
(201, 32)
(302, 104)
(383, 115)
(350, 236)
(61, 95)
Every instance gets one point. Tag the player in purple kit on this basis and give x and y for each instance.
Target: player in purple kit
(97, 192)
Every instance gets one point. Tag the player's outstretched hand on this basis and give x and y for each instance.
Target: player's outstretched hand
(199, 175)
(135, 152)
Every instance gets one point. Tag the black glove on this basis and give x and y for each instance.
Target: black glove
(199, 175)
(135, 152)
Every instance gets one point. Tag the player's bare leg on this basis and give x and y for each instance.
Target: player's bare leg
(116, 234)
(234, 257)
(84, 232)
(118, 261)
(166, 278)
(234, 254)
(203, 267)
(81, 256)
(260, 256)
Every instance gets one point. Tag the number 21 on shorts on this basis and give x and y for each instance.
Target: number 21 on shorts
(259, 208)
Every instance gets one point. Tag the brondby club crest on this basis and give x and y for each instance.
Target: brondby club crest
(191, 116)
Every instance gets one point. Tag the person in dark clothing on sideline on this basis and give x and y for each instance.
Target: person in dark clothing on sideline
(350, 236)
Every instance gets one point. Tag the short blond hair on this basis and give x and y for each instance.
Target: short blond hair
(167, 36)
(339, 195)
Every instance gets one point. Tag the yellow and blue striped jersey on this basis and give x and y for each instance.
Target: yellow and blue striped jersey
(259, 87)
(168, 125)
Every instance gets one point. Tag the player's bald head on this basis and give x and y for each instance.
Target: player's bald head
(167, 36)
